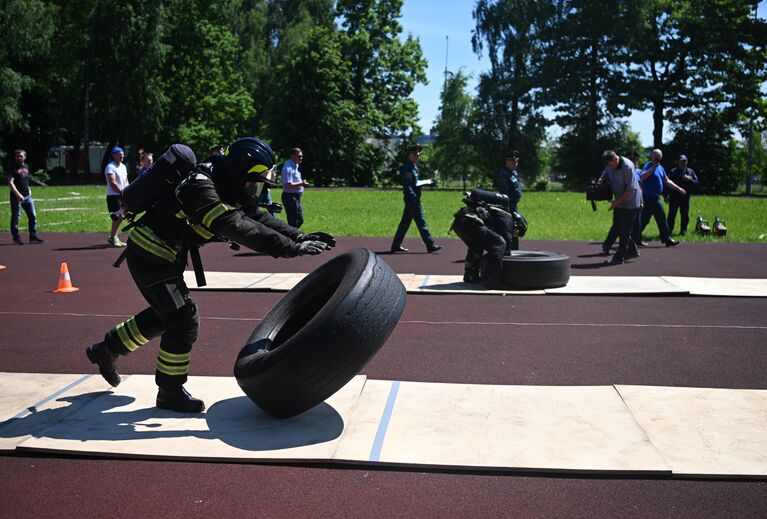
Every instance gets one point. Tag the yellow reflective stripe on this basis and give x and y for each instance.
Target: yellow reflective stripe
(125, 337)
(138, 337)
(172, 370)
(181, 214)
(173, 357)
(217, 210)
(202, 231)
(152, 243)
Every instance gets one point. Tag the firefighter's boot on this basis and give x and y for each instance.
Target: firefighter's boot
(106, 361)
(176, 398)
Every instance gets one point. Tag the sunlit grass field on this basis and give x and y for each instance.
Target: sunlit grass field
(374, 212)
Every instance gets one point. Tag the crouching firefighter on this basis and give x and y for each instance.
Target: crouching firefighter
(486, 224)
(203, 203)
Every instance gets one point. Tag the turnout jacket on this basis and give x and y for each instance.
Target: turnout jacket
(492, 217)
(193, 214)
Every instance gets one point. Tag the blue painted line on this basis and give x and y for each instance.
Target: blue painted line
(425, 282)
(383, 425)
(260, 280)
(33, 408)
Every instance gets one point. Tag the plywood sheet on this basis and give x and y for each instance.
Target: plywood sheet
(31, 402)
(617, 285)
(535, 428)
(452, 284)
(230, 280)
(704, 431)
(126, 423)
(729, 287)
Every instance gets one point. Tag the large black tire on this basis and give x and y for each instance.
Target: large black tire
(320, 334)
(534, 270)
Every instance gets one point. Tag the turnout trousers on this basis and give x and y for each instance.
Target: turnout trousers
(172, 315)
(480, 238)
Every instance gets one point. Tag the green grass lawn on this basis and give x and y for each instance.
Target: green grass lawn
(373, 212)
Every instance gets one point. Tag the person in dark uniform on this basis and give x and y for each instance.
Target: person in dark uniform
(490, 227)
(210, 202)
(508, 183)
(685, 178)
(411, 191)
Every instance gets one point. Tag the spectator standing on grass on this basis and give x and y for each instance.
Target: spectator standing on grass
(411, 192)
(293, 188)
(117, 179)
(687, 179)
(508, 183)
(21, 198)
(147, 159)
(620, 172)
(654, 179)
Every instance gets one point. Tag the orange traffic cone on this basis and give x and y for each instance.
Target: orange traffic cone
(65, 282)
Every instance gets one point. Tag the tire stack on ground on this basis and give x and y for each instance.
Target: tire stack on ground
(320, 334)
(534, 270)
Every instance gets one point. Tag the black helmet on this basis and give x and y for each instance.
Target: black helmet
(245, 160)
(520, 224)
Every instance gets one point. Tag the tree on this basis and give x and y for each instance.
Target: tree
(705, 140)
(384, 69)
(453, 150)
(27, 29)
(690, 55)
(507, 106)
(583, 59)
(209, 100)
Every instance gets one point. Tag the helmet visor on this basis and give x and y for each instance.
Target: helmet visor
(260, 173)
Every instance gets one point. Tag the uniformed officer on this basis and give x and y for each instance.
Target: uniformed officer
(214, 200)
(508, 183)
(487, 227)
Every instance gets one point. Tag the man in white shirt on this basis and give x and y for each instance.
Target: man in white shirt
(117, 179)
(292, 188)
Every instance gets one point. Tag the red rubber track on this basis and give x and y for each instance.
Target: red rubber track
(537, 340)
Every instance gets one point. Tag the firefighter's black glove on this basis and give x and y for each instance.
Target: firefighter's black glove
(309, 247)
(324, 237)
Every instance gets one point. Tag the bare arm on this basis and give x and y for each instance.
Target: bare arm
(15, 191)
(113, 182)
(618, 201)
(671, 183)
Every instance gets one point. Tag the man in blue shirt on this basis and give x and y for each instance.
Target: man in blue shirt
(508, 182)
(293, 188)
(654, 178)
(411, 193)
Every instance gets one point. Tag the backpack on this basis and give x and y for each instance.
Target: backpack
(164, 175)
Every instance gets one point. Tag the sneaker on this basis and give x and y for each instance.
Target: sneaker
(614, 261)
(179, 399)
(114, 241)
(35, 240)
(671, 242)
(107, 362)
(399, 249)
(434, 248)
(17, 241)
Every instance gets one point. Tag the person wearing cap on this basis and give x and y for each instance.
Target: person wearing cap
(215, 150)
(411, 193)
(508, 183)
(654, 179)
(117, 179)
(687, 179)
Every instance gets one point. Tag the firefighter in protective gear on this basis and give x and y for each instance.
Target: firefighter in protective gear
(490, 227)
(214, 200)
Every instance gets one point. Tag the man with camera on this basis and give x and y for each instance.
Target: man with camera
(654, 179)
(620, 173)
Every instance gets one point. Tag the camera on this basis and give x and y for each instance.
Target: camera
(598, 192)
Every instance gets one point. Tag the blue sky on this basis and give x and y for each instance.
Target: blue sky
(431, 21)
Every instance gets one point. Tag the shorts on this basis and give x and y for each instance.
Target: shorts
(113, 203)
